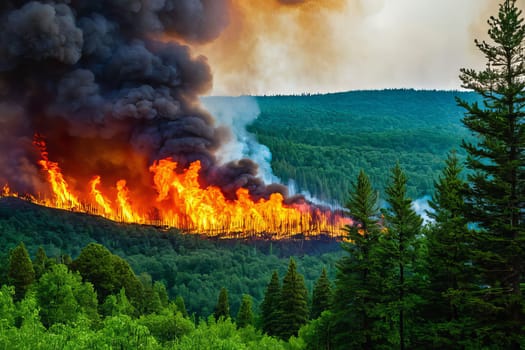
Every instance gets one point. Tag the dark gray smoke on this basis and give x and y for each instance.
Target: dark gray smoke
(100, 82)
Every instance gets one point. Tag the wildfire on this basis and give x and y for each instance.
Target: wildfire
(181, 202)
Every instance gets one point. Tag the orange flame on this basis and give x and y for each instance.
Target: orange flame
(180, 201)
(99, 198)
(125, 207)
(6, 192)
(64, 198)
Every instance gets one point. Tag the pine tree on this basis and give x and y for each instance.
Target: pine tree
(293, 304)
(400, 250)
(181, 306)
(497, 175)
(20, 272)
(222, 309)
(245, 314)
(160, 290)
(449, 263)
(40, 263)
(321, 295)
(270, 307)
(358, 282)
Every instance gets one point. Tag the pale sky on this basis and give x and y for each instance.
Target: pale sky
(364, 44)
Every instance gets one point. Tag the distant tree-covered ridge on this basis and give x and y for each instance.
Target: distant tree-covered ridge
(322, 141)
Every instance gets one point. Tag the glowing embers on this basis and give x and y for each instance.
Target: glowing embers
(178, 200)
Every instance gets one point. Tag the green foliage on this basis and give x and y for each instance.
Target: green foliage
(7, 307)
(118, 304)
(451, 276)
(270, 307)
(222, 309)
(63, 297)
(181, 306)
(293, 303)
(318, 334)
(108, 273)
(223, 334)
(40, 263)
(321, 141)
(189, 266)
(123, 332)
(167, 327)
(160, 289)
(20, 273)
(496, 178)
(360, 274)
(245, 315)
(150, 299)
(321, 296)
(400, 250)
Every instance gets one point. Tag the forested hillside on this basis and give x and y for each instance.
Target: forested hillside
(190, 266)
(321, 141)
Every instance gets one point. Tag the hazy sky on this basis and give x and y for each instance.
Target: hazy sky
(332, 45)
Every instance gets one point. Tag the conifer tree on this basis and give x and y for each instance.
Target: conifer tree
(358, 282)
(449, 265)
(400, 251)
(293, 304)
(270, 307)
(222, 309)
(497, 175)
(245, 314)
(181, 306)
(20, 272)
(40, 263)
(321, 295)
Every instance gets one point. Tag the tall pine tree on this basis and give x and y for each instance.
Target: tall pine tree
(358, 282)
(497, 176)
(222, 309)
(245, 314)
(321, 295)
(270, 307)
(400, 251)
(20, 272)
(448, 309)
(40, 263)
(294, 303)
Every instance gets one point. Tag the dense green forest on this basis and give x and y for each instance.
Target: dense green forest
(321, 141)
(190, 266)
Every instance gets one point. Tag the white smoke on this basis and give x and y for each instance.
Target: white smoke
(422, 208)
(236, 114)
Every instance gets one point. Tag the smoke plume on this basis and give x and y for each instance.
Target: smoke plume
(294, 46)
(109, 94)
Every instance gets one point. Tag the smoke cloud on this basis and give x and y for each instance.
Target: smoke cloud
(293, 46)
(110, 95)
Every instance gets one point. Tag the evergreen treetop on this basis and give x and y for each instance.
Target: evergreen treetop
(20, 272)
(245, 314)
(270, 307)
(293, 303)
(321, 295)
(222, 309)
(496, 196)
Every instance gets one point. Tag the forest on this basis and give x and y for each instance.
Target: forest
(322, 141)
(74, 281)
